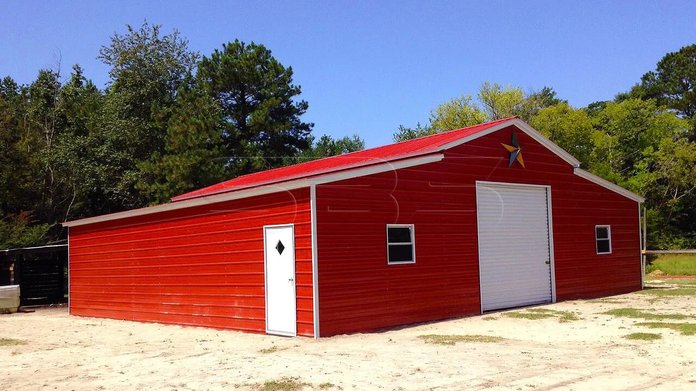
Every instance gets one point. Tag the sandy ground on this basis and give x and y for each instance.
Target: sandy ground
(64, 352)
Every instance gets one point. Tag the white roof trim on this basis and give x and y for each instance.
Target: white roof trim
(367, 163)
(262, 190)
(319, 178)
(608, 185)
(531, 132)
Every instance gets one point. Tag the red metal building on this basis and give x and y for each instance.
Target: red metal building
(482, 218)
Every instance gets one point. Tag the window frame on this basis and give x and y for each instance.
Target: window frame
(608, 239)
(412, 243)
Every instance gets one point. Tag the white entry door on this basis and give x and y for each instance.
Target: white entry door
(514, 245)
(279, 248)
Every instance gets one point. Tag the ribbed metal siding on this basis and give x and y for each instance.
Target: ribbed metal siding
(514, 247)
(199, 266)
(358, 291)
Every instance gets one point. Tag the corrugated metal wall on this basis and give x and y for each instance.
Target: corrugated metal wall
(358, 291)
(201, 266)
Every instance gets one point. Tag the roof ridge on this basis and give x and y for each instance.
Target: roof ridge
(377, 147)
(361, 155)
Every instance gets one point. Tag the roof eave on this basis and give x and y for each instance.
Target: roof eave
(265, 189)
(607, 185)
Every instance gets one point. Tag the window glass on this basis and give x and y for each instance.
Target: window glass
(400, 253)
(603, 239)
(602, 233)
(400, 244)
(602, 246)
(399, 235)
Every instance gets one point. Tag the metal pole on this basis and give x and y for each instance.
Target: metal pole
(645, 238)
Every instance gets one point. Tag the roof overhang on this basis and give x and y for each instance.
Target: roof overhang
(265, 189)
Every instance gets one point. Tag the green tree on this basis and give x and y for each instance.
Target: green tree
(147, 69)
(644, 147)
(22, 186)
(262, 125)
(570, 128)
(80, 102)
(536, 101)
(328, 146)
(43, 125)
(499, 102)
(20, 230)
(457, 113)
(14, 160)
(192, 157)
(37, 193)
(672, 195)
(493, 102)
(633, 130)
(672, 82)
(404, 133)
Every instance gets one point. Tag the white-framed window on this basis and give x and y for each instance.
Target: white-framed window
(401, 244)
(603, 239)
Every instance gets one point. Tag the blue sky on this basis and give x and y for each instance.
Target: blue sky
(367, 66)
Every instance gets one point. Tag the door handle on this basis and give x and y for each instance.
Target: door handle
(548, 262)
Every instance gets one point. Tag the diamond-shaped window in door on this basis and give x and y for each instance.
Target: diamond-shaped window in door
(280, 247)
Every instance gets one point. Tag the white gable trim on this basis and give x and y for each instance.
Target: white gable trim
(531, 132)
(560, 152)
(263, 190)
(607, 185)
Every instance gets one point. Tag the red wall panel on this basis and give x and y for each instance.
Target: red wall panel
(201, 266)
(358, 291)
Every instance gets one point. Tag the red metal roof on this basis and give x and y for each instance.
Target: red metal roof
(366, 157)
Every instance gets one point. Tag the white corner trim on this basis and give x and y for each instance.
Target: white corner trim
(315, 259)
(263, 190)
(523, 126)
(607, 185)
(552, 250)
(69, 267)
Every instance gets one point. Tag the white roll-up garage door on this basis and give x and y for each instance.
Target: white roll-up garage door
(514, 245)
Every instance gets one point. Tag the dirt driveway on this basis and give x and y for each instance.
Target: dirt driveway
(570, 345)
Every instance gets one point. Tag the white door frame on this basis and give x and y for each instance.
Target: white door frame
(265, 279)
(552, 265)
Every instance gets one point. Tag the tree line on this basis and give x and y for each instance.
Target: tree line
(171, 120)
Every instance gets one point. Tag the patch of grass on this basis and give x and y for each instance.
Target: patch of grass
(283, 384)
(327, 385)
(640, 314)
(669, 292)
(674, 264)
(608, 300)
(543, 313)
(12, 342)
(643, 336)
(272, 349)
(683, 282)
(661, 282)
(683, 328)
(439, 339)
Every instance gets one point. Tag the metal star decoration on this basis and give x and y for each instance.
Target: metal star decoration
(515, 151)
